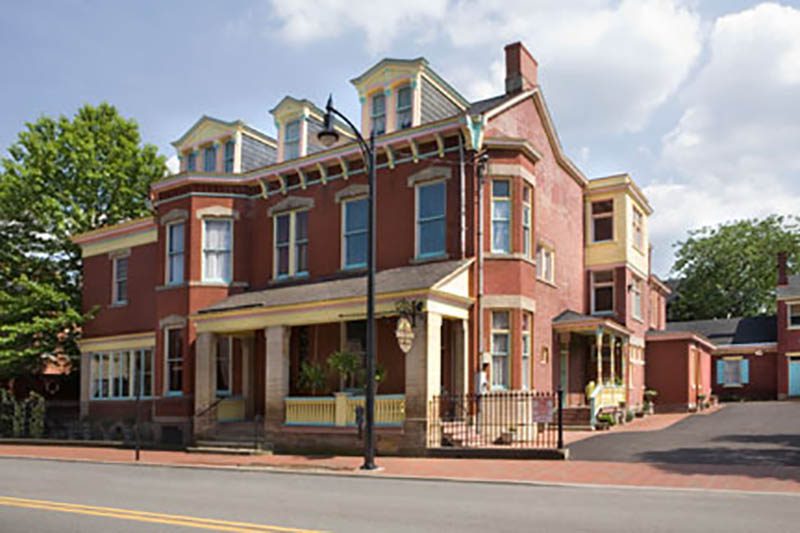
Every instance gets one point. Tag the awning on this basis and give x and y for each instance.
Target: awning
(443, 286)
(573, 322)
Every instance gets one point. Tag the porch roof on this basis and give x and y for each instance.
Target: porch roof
(444, 285)
(572, 321)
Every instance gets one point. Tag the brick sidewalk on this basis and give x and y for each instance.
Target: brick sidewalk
(706, 477)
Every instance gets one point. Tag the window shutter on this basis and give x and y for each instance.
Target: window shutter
(720, 372)
(744, 368)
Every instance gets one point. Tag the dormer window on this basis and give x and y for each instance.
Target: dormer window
(210, 159)
(191, 162)
(379, 114)
(230, 150)
(404, 115)
(291, 140)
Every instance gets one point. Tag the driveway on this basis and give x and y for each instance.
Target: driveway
(754, 433)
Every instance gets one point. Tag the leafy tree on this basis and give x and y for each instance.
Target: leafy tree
(63, 176)
(731, 270)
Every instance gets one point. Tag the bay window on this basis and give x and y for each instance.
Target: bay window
(501, 349)
(217, 247)
(526, 220)
(291, 244)
(431, 224)
(603, 221)
(122, 375)
(175, 252)
(501, 216)
(354, 233)
(603, 292)
(636, 298)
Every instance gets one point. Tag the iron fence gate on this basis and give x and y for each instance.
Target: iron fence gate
(516, 419)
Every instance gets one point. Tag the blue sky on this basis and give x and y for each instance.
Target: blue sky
(698, 99)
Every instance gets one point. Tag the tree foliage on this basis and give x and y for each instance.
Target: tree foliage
(731, 270)
(62, 176)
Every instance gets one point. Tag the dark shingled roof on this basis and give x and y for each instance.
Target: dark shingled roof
(571, 316)
(422, 276)
(722, 331)
(791, 289)
(481, 106)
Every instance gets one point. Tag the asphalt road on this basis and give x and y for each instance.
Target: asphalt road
(752, 433)
(335, 503)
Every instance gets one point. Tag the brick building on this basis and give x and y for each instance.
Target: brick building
(251, 268)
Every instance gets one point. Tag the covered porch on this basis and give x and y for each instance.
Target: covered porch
(305, 346)
(594, 366)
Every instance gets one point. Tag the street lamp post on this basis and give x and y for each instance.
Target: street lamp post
(328, 137)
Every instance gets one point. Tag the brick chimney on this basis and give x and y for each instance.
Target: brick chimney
(783, 274)
(521, 69)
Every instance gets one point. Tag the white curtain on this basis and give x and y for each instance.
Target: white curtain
(217, 250)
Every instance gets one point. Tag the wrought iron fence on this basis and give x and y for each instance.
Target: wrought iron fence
(507, 419)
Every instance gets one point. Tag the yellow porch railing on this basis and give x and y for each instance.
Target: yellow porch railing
(340, 410)
(606, 396)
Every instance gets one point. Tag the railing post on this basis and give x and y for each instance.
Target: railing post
(560, 419)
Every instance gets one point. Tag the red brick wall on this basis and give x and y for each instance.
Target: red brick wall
(667, 371)
(763, 382)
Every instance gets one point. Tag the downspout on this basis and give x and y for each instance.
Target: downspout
(463, 195)
(481, 171)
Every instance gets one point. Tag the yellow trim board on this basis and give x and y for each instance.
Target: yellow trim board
(126, 241)
(118, 342)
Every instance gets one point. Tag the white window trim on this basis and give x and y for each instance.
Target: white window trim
(292, 244)
(221, 393)
(398, 109)
(417, 224)
(636, 288)
(527, 243)
(104, 359)
(541, 263)
(509, 354)
(611, 284)
(168, 254)
(343, 239)
(373, 116)
(527, 376)
(115, 301)
(167, 391)
(509, 221)
(610, 215)
(203, 250)
(638, 246)
(284, 141)
(732, 384)
(789, 315)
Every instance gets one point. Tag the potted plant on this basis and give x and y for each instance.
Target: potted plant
(649, 400)
(312, 377)
(347, 364)
(701, 402)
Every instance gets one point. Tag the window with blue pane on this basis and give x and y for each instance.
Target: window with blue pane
(230, 147)
(355, 233)
(191, 161)
(210, 159)
(431, 224)
(501, 216)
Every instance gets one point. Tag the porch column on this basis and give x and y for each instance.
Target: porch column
(205, 378)
(277, 378)
(599, 344)
(423, 378)
(612, 345)
(625, 369)
(248, 347)
(461, 356)
(86, 383)
(563, 370)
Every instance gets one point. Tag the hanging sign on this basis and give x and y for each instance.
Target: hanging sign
(405, 334)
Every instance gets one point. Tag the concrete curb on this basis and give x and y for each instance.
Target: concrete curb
(311, 471)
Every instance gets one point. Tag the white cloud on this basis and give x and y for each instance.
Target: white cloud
(734, 151)
(173, 164)
(608, 65)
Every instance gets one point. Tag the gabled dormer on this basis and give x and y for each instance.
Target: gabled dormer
(216, 146)
(398, 94)
(297, 123)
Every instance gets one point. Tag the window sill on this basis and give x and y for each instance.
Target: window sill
(353, 268)
(219, 284)
(169, 286)
(421, 259)
(514, 256)
(732, 385)
(173, 394)
(118, 305)
(125, 399)
(606, 241)
(289, 279)
(602, 313)
(547, 282)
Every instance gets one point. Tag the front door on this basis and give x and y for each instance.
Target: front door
(794, 376)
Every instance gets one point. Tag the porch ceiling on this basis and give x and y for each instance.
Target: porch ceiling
(442, 285)
(574, 322)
